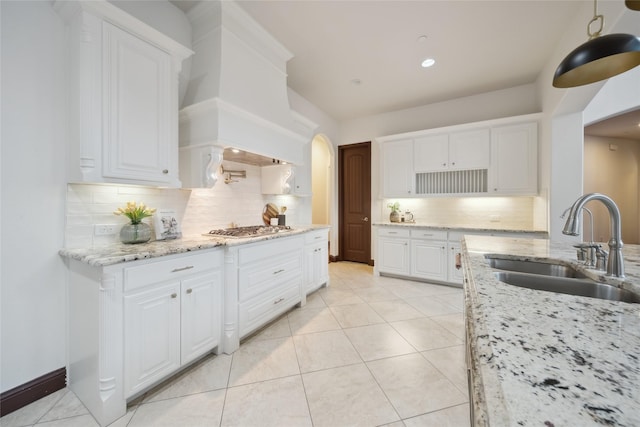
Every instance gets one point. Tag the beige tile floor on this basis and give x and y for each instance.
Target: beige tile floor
(367, 351)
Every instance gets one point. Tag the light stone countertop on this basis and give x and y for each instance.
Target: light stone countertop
(117, 253)
(420, 225)
(549, 359)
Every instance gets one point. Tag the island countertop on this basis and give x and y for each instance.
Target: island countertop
(548, 359)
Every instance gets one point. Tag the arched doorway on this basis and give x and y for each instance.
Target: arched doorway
(322, 182)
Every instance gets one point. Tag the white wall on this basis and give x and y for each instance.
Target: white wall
(34, 92)
(611, 167)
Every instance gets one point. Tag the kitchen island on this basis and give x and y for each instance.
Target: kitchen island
(539, 358)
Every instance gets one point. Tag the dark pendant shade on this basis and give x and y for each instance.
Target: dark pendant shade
(598, 59)
(633, 4)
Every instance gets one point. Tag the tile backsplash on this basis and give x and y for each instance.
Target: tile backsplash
(514, 213)
(198, 210)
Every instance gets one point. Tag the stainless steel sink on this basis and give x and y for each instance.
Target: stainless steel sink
(533, 267)
(567, 285)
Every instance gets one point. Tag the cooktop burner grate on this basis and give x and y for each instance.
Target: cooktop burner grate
(249, 231)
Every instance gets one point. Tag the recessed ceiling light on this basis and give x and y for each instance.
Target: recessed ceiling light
(429, 62)
(235, 150)
(422, 39)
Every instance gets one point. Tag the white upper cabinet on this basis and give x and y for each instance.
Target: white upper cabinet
(431, 153)
(514, 160)
(124, 97)
(397, 168)
(453, 151)
(494, 157)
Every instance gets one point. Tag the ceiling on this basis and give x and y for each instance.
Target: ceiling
(358, 58)
(625, 126)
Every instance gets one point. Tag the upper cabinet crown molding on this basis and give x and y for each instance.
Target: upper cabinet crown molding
(69, 9)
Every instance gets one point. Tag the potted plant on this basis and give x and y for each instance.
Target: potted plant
(395, 211)
(136, 231)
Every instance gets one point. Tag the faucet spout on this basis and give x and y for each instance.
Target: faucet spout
(615, 264)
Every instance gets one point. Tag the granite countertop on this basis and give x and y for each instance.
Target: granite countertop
(459, 228)
(550, 359)
(117, 253)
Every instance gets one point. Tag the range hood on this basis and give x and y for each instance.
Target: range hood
(237, 95)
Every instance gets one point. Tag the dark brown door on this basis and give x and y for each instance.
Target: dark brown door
(354, 184)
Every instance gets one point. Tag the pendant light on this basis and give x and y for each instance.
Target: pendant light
(599, 58)
(633, 4)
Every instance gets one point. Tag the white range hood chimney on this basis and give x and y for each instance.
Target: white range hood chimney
(237, 95)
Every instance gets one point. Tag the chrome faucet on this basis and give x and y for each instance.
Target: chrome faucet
(615, 264)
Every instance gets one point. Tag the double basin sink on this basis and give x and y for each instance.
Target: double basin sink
(551, 277)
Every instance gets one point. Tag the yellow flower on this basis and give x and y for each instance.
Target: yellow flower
(136, 213)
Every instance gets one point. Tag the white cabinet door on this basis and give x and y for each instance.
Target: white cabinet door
(429, 259)
(455, 274)
(320, 265)
(393, 256)
(397, 168)
(301, 181)
(431, 153)
(514, 159)
(201, 314)
(470, 150)
(151, 335)
(139, 144)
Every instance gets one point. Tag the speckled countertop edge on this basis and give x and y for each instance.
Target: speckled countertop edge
(117, 253)
(546, 359)
(458, 228)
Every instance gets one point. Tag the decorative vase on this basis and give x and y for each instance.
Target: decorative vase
(394, 216)
(135, 233)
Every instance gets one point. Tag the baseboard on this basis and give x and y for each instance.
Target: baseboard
(29, 392)
(334, 258)
(371, 262)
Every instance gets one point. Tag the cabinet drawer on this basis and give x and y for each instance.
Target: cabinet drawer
(258, 311)
(170, 269)
(269, 274)
(260, 251)
(393, 232)
(429, 234)
(316, 236)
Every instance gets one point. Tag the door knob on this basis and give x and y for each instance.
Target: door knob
(365, 219)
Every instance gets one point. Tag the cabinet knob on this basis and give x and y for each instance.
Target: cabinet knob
(444, 164)
(453, 163)
(174, 295)
(165, 171)
(495, 189)
(189, 290)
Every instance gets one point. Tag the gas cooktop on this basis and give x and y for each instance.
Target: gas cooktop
(249, 231)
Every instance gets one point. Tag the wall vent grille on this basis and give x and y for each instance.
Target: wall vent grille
(452, 182)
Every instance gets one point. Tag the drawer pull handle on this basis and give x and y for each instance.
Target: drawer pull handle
(188, 267)
(279, 300)
(189, 290)
(174, 295)
(318, 237)
(278, 272)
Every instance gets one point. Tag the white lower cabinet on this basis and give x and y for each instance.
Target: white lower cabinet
(170, 324)
(268, 281)
(133, 324)
(316, 263)
(393, 251)
(429, 254)
(425, 253)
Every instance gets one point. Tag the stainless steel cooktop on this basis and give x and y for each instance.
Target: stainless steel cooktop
(249, 231)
